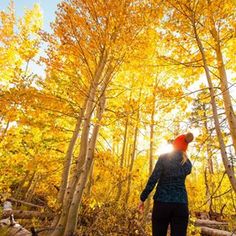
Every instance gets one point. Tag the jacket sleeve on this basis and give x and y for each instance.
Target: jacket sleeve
(152, 180)
(187, 167)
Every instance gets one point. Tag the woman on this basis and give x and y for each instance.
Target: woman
(170, 199)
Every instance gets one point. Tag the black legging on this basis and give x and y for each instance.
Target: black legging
(175, 214)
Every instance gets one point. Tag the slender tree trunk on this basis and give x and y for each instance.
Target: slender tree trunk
(78, 170)
(122, 160)
(31, 190)
(152, 126)
(148, 205)
(68, 160)
(151, 140)
(73, 212)
(129, 154)
(90, 182)
(71, 188)
(208, 167)
(223, 80)
(131, 164)
(29, 185)
(69, 155)
(208, 193)
(208, 151)
(125, 141)
(228, 167)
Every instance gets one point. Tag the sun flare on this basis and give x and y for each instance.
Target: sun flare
(164, 148)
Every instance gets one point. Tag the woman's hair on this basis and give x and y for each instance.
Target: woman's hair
(185, 157)
(188, 138)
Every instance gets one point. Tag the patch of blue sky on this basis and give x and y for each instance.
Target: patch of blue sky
(48, 8)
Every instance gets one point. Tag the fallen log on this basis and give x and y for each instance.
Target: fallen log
(206, 231)
(19, 214)
(211, 224)
(24, 203)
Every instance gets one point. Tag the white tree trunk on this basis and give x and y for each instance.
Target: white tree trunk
(152, 126)
(68, 160)
(73, 212)
(69, 155)
(231, 118)
(71, 188)
(133, 150)
(227, 165)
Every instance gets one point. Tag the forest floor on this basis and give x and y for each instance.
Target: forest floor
(107, 220)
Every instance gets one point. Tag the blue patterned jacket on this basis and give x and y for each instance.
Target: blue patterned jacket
(170, 175)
